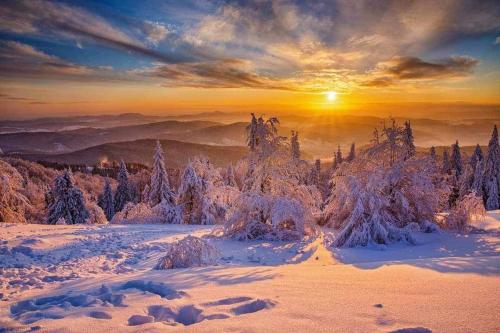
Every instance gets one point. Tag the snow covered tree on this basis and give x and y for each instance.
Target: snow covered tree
(189, 252)
(352, 153)
(339, 159)
(382, 196)
(96, 214)
(432, 153)
(491, 176)
(230, 178)
(408, 141)
(252, 133)
(262, 136)
(190, 197)
(476, 157)
(13, 203)
(123, 193)
(477, 183)
(456, 160)
(314, 178)
(446, 162)
(106, 201)
(159, 189)
(295, 145)
(68, 201)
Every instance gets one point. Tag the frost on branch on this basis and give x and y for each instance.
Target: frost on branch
(189, 252)
(462, 214)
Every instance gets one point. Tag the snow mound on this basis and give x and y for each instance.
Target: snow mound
(189, 252)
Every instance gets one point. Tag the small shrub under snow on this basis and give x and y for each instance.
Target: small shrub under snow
(189, 252)
(142, 213)
(465, 210)
(263, 216)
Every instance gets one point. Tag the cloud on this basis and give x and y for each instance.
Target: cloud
(414, 69)
(293, 45)
(18, 60)
(41, 17)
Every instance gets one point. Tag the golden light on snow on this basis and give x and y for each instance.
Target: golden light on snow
(331, 95)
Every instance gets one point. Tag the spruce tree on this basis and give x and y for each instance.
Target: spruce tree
(352, 153)
(295, 145)
(122, 195)
(432, 153)
(491, 178)
(190, 197)
(408, 141)
(159, 189)
(446, 162)
(230, 178)
(456, 160)
(252, 133)
(68, 202)
(339, 156)
(106, 201)
(476, 157)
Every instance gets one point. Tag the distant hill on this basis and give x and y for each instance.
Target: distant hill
(67, 141)
(177, 153)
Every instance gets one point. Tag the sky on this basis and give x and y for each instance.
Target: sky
(169, 57)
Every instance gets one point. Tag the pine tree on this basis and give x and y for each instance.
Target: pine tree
(491, 179)
(106, 201)
(352, 153)
(446, 162)
(477, 183)
(68, 202)
(408, 141)
(160, 186)
(190, 197)
(230, 179)
(432, 153)
(335, 163)
(122, 195)
(456, 160)
(295, 145)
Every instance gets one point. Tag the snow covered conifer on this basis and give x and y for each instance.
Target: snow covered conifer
(160, 187)
(315, 173)
(339, 156)
(122, 195)
(456, 160)
(491, 178)
(252, 133)
(352, 153)
(408, 141)
(190, 196)
(446, 162)
(106, 201)
(68, 201)
(432, 153)
(476, 156)
(230, 178)
(295, 145)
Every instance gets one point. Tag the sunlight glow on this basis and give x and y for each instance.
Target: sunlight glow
(331, 95)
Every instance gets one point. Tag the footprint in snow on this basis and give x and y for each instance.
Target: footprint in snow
(191, 314)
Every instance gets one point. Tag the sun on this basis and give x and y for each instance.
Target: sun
(331, 95)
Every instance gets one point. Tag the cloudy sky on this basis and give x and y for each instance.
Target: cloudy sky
(187, 56)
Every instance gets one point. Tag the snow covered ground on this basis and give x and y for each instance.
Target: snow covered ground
(100, 279)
